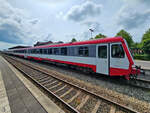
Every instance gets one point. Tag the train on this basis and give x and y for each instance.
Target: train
(107, 56)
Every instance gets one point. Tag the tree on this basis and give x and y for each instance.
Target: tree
(137, 45)
(73, 40)
(126, 36)
(100, 36)
(146, 41)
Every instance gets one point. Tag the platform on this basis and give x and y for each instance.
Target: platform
(19, 95)
(143, 64)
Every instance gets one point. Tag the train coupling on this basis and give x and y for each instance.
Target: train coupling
(135, 71)
(141, 70)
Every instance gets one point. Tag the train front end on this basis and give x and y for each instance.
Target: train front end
(134, 70)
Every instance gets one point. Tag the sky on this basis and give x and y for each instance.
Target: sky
(24, 22)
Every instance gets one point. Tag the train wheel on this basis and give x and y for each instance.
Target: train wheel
(133, 76)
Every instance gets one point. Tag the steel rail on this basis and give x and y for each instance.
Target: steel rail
(143, 80)
(142, 83)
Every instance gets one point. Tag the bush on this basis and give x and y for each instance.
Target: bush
(142, 57)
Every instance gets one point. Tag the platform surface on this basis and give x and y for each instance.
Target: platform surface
(15, 97)
(143, 64)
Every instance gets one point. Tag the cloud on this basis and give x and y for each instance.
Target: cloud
(4, 45)
(49, 37)
(10, 32)
(81, 12)
(93, 25)
(80, 36)
(35, 21)
(130, 18)
(144, 1)
(59, 15)
(52, 1)
(85, 35)
(5, 9)
(16, 26)
(147, 2)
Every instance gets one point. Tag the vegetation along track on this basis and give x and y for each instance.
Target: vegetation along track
(74, 98)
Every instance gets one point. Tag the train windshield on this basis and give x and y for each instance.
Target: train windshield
(117, 51)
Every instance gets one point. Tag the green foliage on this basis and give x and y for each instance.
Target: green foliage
(142, 57)
(146, 46)
(126, 36)
(100, 36)
(73, 40)
(146, 41)
(137, 45)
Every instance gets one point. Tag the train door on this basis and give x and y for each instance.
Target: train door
(119, 63)
(102, 59)
(25, 53)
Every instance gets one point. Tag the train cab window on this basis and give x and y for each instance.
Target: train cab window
(83, 51)
(102, 51)
(56, 51)
(64, 51)
(50, 51)
(117, 51)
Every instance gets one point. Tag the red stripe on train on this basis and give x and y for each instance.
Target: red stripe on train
(118, 71)
(113, 71)
(104, 40)
(93, 67)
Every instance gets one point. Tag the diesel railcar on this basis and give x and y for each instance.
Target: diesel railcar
(108, 56)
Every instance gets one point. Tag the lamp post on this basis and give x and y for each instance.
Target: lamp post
(91, 30)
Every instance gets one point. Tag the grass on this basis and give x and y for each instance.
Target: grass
(142, 57)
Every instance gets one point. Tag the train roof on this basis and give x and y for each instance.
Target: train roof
(104, 40)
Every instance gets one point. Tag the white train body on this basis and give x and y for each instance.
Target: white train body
(109, 56)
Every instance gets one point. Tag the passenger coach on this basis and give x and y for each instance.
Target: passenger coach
(108, 56)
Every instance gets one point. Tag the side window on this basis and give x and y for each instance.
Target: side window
(50, 51)
(102, 51)
(31, 51)
(64, 51)
(56, 51)
(34, 51)
(45, 51)
(83, 51)
(117, 51)
(40, 51)
(37, 51)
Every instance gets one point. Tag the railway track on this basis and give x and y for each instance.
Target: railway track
(74, 98)
(141, 83)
